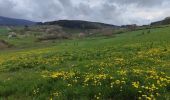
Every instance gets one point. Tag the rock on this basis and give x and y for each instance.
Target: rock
(4, 44)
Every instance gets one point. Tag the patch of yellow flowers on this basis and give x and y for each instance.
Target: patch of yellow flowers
(112, 72)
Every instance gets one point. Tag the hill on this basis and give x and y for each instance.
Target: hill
(129, 66)
(5, 21)
(79, 24)
(165, 21)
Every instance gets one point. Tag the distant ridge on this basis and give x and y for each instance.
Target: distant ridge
(79, 24)
(5, 21)
(165, 21)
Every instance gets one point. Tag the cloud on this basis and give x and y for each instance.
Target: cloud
(108, 11)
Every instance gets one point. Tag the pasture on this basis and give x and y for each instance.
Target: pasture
(128, 66)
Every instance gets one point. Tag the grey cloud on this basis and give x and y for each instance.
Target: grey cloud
(108, 11)
(139, 3)
(6, 9)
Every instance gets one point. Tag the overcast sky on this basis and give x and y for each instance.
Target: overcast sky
(116, 12)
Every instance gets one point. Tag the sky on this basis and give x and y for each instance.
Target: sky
(117, 12)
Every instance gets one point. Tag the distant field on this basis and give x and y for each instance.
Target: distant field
(3, 31)
(133, 65)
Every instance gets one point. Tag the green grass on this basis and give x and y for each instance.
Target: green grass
(127, 66)
(3, 31)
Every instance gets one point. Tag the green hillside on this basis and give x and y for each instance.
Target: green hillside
(129, 66)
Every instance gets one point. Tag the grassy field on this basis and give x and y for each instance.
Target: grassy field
(128, 66)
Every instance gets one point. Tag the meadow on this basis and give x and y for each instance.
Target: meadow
(128, 66)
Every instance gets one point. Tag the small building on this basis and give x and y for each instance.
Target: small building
(81, 35)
